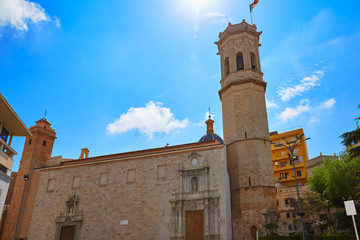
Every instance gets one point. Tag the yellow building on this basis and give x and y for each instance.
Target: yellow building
(283, 170)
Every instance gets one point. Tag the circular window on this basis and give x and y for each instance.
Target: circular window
(194, 161)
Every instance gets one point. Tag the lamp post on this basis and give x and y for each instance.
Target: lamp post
(264, 214)
(291, 145)
(26, 178)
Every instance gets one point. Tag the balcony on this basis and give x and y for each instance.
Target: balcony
(6, 154)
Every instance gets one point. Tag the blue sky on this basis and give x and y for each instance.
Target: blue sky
(117, 76)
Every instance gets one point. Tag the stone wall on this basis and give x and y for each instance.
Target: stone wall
(125, 198)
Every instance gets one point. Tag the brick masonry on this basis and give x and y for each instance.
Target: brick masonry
(138, 190)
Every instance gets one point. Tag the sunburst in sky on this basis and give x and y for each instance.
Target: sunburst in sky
(151, 67)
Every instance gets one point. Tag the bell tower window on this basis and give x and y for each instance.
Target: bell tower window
(253, 61)
(226, 66)
(239, 61)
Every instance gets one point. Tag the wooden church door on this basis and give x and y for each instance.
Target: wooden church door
(67, 232)
(194, 225)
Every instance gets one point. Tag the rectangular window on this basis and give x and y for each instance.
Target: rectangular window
(295, 227)
(300, 158)
(298, 173)
(290, 227)
(76, 181)
(296, 150)
(103, 179)
(283, 164)
(51, 185)
(131, 175)
(287, 202)
(294, 215)
(4, 134)
(282, 153)
(3, 169)
(287, 215)
(281, 175)
(161, 173)
(286, 175)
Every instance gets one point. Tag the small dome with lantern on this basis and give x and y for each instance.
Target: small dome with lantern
(210, 135)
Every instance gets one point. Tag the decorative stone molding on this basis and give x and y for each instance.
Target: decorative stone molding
(72, 216)
(195, 198)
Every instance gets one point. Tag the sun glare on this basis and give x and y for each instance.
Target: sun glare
(195, 6)
(198, 3)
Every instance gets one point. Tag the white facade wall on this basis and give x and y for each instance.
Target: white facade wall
(4, 186)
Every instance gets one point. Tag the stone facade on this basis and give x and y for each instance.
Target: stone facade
(149, 203)
(289, 222)
(317, 162)
(246, 132)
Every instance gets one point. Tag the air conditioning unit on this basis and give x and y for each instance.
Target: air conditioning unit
(276, 163)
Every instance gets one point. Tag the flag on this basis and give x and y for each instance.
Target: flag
(253, 5)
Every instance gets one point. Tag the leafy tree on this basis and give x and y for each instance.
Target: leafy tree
(351, 138)
(313, 204)
(337, 180)
(271, 227)
(345, 222)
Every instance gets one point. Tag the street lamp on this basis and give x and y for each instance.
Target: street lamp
(26, 178)
(291, 145)
(264, 214)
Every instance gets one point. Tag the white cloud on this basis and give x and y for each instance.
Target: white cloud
(217, 17)
(327, 104)
(150, 119)
(314, 119)
(17, 13)
(214, 14)
(271, 104)
(207, 114)
(57, 22)
(291, 113)
(306, 84)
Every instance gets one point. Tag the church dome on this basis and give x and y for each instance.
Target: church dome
(210, 135)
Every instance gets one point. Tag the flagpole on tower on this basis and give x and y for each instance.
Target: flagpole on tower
(251, 7)
(251, 14)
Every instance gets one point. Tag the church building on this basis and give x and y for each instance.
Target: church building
(214, 189)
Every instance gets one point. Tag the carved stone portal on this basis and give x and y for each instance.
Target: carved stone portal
(70, 217)
(195, 195)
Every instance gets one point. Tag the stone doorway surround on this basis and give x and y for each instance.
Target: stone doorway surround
(191, 197)
(72, 216)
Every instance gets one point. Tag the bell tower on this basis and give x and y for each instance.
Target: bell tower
(246, 131)
(37, 150)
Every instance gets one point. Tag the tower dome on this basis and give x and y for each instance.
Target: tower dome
(210, 135)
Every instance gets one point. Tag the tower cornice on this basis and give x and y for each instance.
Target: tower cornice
(238, 28)
(240, 82)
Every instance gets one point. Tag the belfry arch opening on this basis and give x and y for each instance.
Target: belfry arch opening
(253, 61)
(239, 61)
(226, 66)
